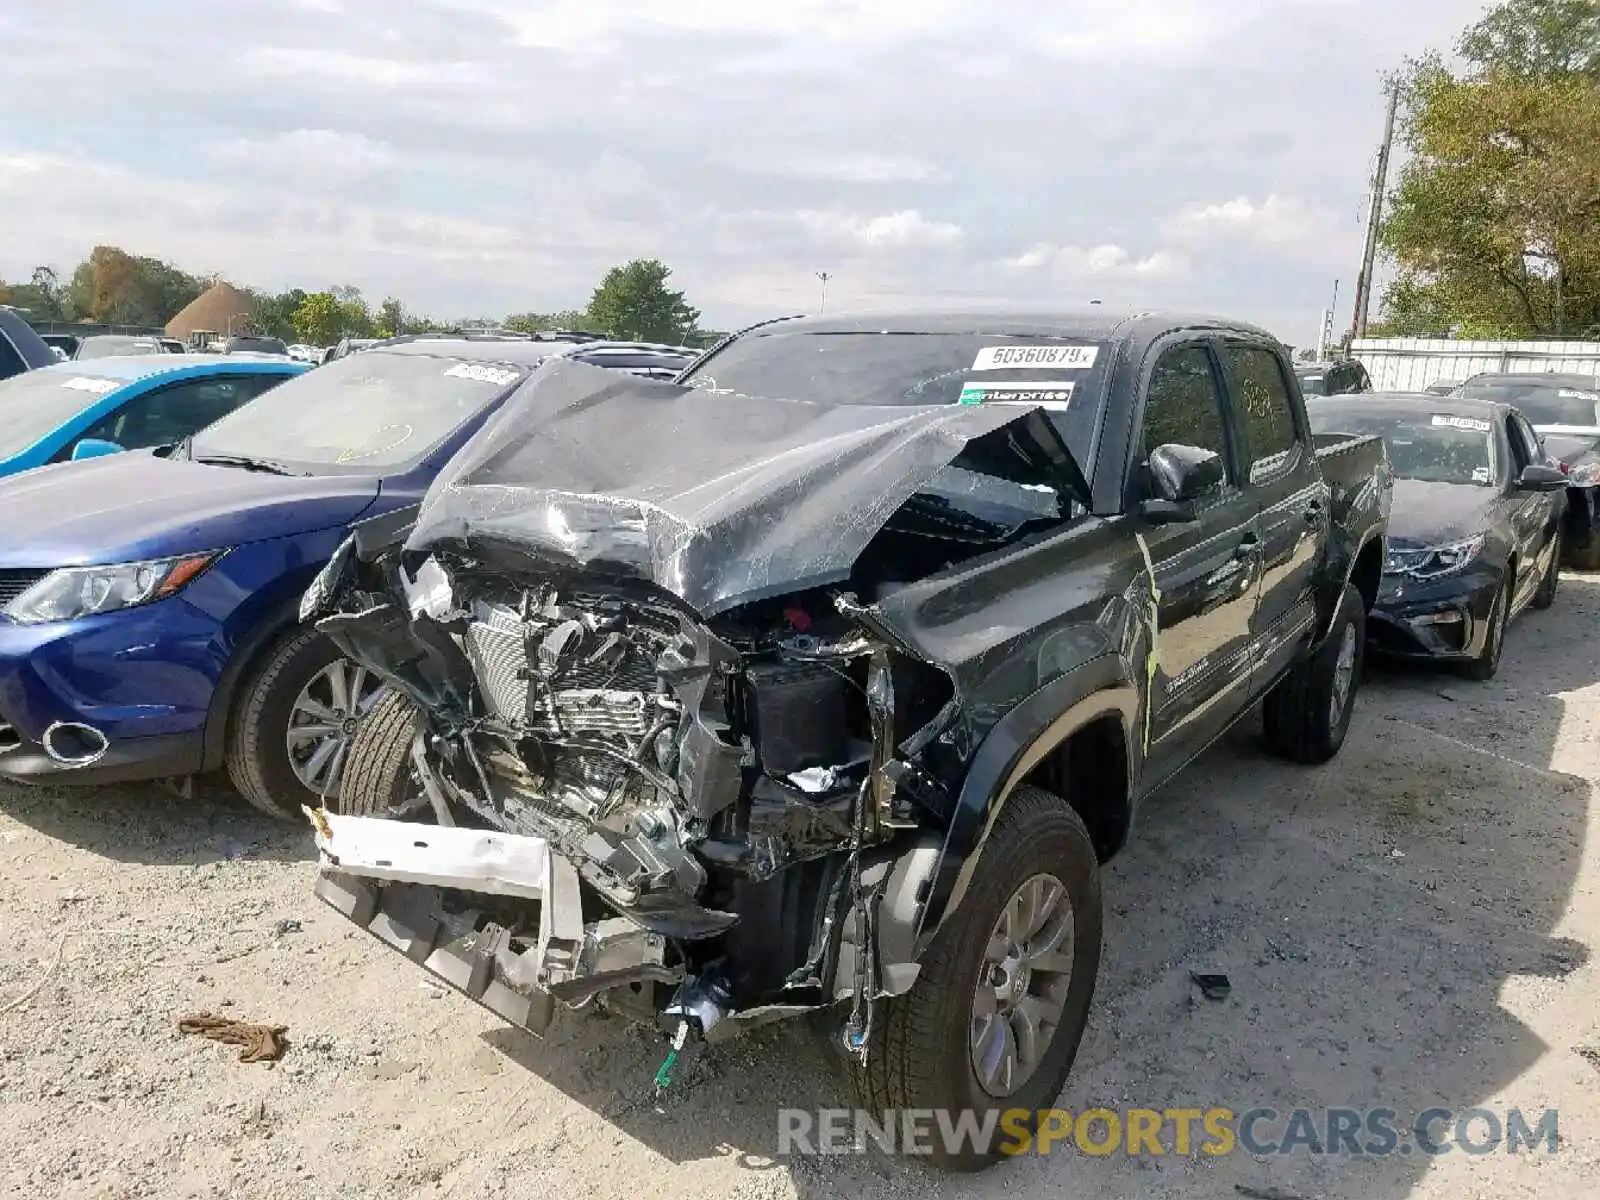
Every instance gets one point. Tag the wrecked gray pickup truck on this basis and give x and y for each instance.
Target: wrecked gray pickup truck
(831, 674)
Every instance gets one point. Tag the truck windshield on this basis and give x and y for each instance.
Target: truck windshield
(372, 410)
(37, 403)
(1428, 447)
(907, 368)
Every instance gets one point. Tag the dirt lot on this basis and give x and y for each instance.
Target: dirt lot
(1412, 926)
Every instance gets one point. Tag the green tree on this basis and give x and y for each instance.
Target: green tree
(114, 286)
(390, 319)
(355, 318)
(274, 315)
(319, 320)
(1495, 223)
(634, 301)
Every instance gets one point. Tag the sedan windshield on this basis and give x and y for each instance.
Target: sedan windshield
(37, 403)
(896, 369)
(116, 347)
(371, 410)
(1542, 401)
(1429, 447)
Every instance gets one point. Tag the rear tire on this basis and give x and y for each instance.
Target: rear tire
(1307, 714)
(259, 762)
(378, 776)
(921, 1053)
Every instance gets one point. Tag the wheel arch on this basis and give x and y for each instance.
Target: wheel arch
(1074, 736)
(248, 653)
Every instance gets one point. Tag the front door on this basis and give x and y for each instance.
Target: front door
(1535, 516)
(1206, 570)
(1282, 477)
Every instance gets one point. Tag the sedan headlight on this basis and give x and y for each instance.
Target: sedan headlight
(1429, 561)
(74, 592)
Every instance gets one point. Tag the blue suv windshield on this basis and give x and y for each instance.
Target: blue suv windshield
(370, 410)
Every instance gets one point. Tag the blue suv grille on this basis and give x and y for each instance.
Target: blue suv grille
(14, 582)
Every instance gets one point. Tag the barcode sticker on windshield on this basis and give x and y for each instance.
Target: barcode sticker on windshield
(1575, 394)
(1074, 358)
(1471, 423)
(1053, 394)
(1480, 474)
(99, 387)
(498, 376)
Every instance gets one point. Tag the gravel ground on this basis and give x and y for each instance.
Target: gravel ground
(1412, 926)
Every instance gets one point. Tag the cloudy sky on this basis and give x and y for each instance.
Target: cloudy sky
(478, 157)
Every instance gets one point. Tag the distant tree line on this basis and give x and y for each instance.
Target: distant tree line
(111, 286)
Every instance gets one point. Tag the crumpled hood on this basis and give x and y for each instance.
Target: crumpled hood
(718, 498)
(135, 505)
(1431, 514)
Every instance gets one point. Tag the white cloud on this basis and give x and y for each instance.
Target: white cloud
(1103, 260)
(907, 229)
(1275, 221)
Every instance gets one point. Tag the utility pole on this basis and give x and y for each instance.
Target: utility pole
(1380, 180)
(824, 276)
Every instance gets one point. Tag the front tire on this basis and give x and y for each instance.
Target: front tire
(292, 726)
(1546, 595)
(1487, 664)
(379, 777)
(1307, 714)
(1011, 972)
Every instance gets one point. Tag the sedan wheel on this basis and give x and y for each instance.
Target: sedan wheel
(324, 721)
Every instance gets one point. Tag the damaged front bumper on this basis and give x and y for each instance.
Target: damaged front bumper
(397, 880)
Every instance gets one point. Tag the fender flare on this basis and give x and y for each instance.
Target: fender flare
(273, 624)
(1018, 743)
(1326, 619)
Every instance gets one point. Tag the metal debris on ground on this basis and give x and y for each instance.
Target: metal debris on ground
(261, 1043)
(1212, 987)
(286, 926)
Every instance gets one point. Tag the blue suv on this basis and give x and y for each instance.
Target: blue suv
(149, 601)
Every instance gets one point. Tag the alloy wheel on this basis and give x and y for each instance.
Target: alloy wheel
(324, 721)
(1022, 985)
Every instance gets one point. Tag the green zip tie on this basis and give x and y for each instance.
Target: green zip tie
(664, 1075)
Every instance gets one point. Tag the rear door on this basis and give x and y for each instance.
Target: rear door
(1282, 478)
(1206, 571)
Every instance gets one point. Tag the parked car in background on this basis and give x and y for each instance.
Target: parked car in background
(301, 352)
(1340, 378)
(1564, 410)
(21, 349)
(78, 410)
(64, 344)
(639, 358)
(196, 558)
(346, 346)
(116, 345)
(252, 343)
(1475, 532)
(1442, 387)
(173, 346)
(913, 608)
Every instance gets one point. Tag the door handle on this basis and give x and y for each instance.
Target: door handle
(1242, 562)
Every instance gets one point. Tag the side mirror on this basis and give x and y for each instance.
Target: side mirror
(1537, 477)
(1181, 475)
(94, 448)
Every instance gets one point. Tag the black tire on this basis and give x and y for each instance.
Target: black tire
(258, 758)
(1585, 558)
(918, 1054)
(1546, 595)
(378, 775)
(1487, 664)
(1299, 715)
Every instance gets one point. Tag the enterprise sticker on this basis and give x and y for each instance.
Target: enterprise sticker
(495, 375)
(993, 358)
(98, 386)
(1054, 394)
(1471, 423)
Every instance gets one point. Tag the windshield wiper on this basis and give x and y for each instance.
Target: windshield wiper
(246, 463)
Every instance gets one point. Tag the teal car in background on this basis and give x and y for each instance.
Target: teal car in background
(75, 410)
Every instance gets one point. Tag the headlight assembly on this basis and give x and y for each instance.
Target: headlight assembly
(1431, 561)
(72, 592)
